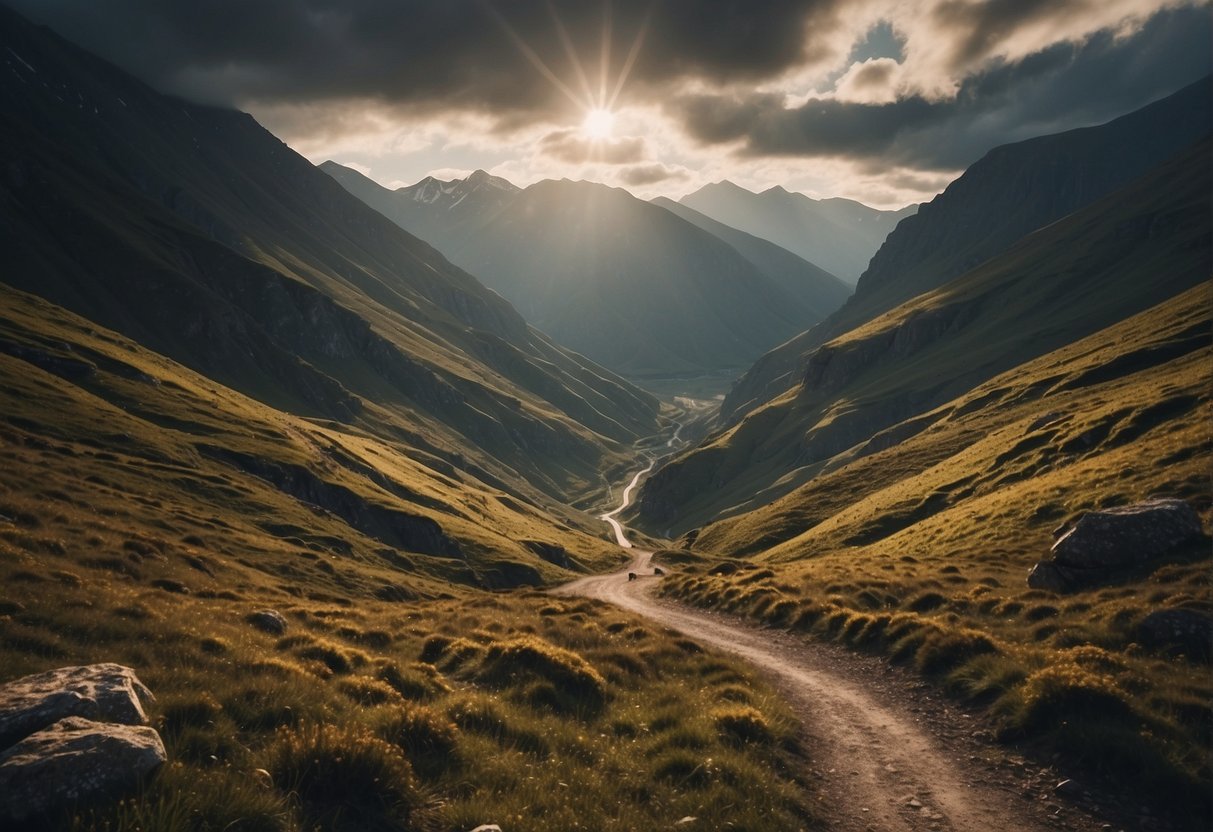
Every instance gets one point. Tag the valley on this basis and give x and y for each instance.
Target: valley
(626, 475)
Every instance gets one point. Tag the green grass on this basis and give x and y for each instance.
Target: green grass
(541, 726)
(403, 695)
(920, 552)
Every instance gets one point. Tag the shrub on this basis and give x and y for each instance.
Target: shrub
(683, 769)
(572, 676)
(420, 682)
(367, 691)
(742, 726)
(344, 777)
(430, 738)
(947, 649)
(927, 601)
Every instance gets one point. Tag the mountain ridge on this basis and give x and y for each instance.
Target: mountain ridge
(839, 235)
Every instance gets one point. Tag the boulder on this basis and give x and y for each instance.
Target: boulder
(73, 761)
(268, 621)
(108, 692)
(1103, 545)
(1045, 575)
(1126, 536)
(1184, 631)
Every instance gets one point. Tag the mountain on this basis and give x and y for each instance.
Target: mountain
(620, 280)
(1012, 191)
(816, 288)
(839, 235)
(896, 496)
(629, 284)
(437, 211)
(879, 384)
(204, 245)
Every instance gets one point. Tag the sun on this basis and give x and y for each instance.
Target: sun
(598, 124)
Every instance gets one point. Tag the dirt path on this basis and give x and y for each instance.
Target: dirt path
(875, 740)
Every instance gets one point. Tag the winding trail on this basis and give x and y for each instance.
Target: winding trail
(886, 754)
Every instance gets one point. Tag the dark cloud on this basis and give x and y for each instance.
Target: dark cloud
(1063, 86)
(327, 64)
(570, 146)
(428, 53)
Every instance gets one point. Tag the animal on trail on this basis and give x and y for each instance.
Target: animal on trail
(631, 576)
(657, 570)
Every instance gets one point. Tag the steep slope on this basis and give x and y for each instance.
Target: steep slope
(839, 235)
(920, 550)
(199, 235)
(439, 212)
(816, 288)
(627, 283)
(875, 385)
(1012, 191)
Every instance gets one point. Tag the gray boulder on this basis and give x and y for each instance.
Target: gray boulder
(1045, 575)
(268, 621)
(1102, 545)
(107, 692)
(1127, 535)
(73, 761)
(1184, 631)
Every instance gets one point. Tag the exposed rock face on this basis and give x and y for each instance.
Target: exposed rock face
(1185, 631)
(74, 760)
(1103, 544)
(108, 692)
(268, 621)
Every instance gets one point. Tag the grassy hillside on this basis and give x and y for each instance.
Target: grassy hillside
(878, 384)
(1012, 191)
(146, 511)
(198, 234)
(920, 549)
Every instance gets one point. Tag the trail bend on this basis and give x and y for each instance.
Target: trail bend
(877, 743)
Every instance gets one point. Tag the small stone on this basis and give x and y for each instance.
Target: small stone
(268, 621)
(1066, 787)
(685, 821)
(914, 803)
(263, 778)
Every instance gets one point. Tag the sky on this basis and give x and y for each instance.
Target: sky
(883, 101)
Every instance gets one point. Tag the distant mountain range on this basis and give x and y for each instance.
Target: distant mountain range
(645, 289)
(839, 235)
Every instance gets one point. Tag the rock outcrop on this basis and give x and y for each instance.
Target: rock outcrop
(75, 760)
(104, 692)
(72, 735)
(1102, 545)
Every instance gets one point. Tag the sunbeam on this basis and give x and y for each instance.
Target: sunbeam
(598, 108)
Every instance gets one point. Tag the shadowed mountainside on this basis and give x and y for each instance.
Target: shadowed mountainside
(875, 385)
(620, 280)
(1012, 191)
(201, 236)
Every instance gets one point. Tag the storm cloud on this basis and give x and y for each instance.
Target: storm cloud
(1059, 87)
(732, 79)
